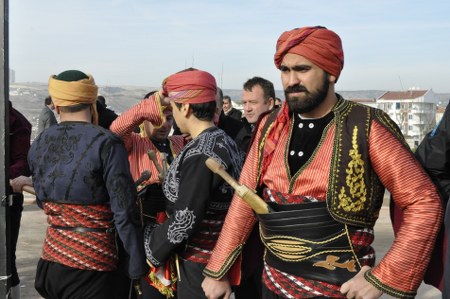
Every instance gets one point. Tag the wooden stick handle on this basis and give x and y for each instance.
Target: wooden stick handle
(29, 189)
(152, 155)
(252, 199)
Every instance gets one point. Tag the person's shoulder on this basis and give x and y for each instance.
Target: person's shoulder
(90, 130)
(107, 133)
(235, 113)
(44, 110)
(267, 116)
(359, 108)
(230, 125)
(110, 112)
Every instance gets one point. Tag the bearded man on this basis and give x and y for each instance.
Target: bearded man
(322, 166)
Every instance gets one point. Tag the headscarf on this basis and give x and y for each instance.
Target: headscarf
(74, 87)
(191, 86)
(321, 46)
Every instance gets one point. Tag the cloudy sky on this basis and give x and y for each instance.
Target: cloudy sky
(388, 44)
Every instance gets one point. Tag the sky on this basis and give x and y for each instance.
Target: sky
(388, 44)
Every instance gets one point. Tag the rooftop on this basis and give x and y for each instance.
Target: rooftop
(403, 95)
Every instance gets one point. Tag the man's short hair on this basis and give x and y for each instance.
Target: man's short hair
(48, 100)
(203, 111)
(227, 98)
(266, 86)
(220, 93)
(74, 108)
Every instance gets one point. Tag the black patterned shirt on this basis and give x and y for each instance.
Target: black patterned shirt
(201, 199)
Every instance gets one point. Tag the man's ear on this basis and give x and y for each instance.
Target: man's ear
(332, 79)
(271, 103)
(185, 109)
(57, 109)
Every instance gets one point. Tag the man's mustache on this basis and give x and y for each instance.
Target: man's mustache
(295, 88)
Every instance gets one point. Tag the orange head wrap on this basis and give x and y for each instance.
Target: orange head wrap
(74, 87)
(191, 86)
(321, 46)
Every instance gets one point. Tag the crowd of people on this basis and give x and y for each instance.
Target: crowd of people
(135, 209)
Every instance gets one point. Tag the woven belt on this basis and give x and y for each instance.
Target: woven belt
(308, 242)
(85, 229)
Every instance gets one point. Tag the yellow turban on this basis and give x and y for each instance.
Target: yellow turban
(69, 93)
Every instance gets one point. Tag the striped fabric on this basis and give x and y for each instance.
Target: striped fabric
(404, 265)
(85, 251)
(137, 146)
(184, 95)
(201, 245)
(401, 271)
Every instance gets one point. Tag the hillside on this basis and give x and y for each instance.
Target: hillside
(29, 97)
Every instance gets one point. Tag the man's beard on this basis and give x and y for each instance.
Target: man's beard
(310, 100)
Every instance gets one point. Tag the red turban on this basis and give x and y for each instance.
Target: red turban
(191, 86)
(321, 46)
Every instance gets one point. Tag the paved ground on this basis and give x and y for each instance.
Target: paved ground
(33, 231)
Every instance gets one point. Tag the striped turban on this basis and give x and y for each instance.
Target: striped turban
(74, 87)
(191, 86)
(321, 46)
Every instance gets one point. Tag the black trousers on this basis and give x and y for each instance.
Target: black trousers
(150, 292)
(56, 281)
(252, 267)
(15, 217)
(189, 285)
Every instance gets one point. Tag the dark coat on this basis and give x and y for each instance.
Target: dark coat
(234, 113)
(105, 116)
(230, 125)
(434, 155)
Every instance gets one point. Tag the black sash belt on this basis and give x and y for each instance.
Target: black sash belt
(304, 240)
(153, 200)
(84, 229)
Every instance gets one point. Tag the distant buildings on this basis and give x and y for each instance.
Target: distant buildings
(439, 113)
(415, 111)
(372, 102)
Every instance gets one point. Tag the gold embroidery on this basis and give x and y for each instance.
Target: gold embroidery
(331, 263)
(292, 249)
(354, 180)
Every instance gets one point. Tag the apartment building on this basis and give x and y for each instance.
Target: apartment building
(413, 110)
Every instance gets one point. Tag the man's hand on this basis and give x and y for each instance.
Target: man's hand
(163, 98)
(20, 182)
(359, 288)
(216, 289)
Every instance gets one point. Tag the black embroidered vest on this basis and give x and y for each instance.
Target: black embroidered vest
(355, 193)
